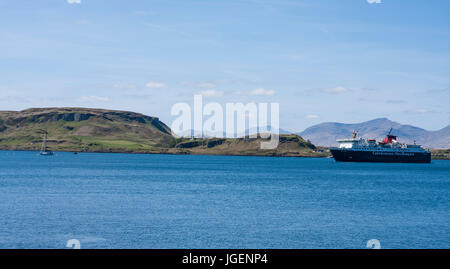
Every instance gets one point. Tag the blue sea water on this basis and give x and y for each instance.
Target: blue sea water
(177, 201)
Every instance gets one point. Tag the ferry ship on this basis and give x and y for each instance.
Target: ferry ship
(369, 150)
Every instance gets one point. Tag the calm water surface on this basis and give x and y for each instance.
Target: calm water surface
(166, 201)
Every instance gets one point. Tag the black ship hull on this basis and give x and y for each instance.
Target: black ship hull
(349, 155)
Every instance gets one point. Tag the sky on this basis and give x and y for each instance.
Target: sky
(322, 61)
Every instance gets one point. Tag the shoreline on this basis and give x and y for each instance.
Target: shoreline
(171, 153)
(168, 152)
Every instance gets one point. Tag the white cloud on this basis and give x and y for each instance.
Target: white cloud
(143, 12)
(74, 1)
(155, 85)
(93, 98)
(224, 80)
(13, 98)
(335, 90)
(262, 91)
(395, 101)
(311, 116)
(419, 111)
(211, 93)
(206, 85)
(82, 22)
(125, 86)
(258, 91)
(439, 91)
(186, 83)
(422, 110)
(374, 1)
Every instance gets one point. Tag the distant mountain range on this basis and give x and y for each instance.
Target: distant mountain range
(251, 131)
(325, 134)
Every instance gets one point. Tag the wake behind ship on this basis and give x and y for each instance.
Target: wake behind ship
(388, 151)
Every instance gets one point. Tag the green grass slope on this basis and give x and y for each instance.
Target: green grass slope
(289, 145)
(83, 129)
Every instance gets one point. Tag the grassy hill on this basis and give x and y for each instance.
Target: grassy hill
(83, 129)
(99, 130)
(440, 154)
(289, 145)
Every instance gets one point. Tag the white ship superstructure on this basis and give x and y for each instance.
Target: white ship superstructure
(388, 150)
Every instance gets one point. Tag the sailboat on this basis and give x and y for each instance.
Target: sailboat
(44, 150)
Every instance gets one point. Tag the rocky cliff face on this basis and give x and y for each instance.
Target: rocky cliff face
(41, 115)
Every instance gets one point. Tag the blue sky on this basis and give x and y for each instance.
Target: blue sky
(336, 60)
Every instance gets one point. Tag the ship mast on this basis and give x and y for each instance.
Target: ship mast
(44, 143)
(44, 149)
(390, 131)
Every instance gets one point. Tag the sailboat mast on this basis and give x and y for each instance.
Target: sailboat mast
(44, 143)
(44, 150)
